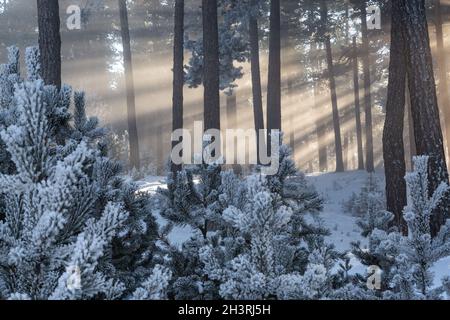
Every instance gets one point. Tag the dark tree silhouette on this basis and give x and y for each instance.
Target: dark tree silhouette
(178, 73)
(211, 65)
(424, 103)
(258, 113)
(442, 67)
(367, 87)
(332, 85)
(129, 80)
(274, 79)
(49, 41)
(393, 146)
(359, 138)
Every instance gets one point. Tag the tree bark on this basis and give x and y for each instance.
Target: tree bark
(367, 84)
(49, 41)
(393, 146)
(129, 80)
(412, 140)
(424, 104)
(321, 126)
(287, 73)
(258, 113)
(178, 74)
(274, 78)
(334, 103)
(211, 65)
(332, 86)
(231, 110)
(442, 67)
(359, 137)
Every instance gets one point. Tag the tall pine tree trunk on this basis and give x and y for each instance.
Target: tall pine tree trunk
(232, 123)
(178, 73)
(274, 78)
(442, 66)
(258, 113)
(424, 104)
(49, 41)
(231, 100)
(287, 71)
(211, 65)
(367, 84)
(332, 86)
(412, 140)
(334, 104)
(321, 125)
(130, 91)
(129, 80)
(393, 146)
(359, 137)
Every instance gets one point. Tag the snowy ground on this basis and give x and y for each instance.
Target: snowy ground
(335, 188)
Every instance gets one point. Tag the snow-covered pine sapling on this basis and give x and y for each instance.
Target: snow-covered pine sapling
(190, 202)
(371, 197)
(375, 224)
(9, 77)
(47, 227)
(130, 255)
(280, 253)
(419, 251)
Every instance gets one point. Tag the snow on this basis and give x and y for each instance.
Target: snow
(335, 188)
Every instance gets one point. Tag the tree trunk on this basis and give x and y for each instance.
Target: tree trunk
(412, 140)
(287, 67)
(393, 147)
(321, 129)
(359, 137)
(321, 126)
(232, 123)
(231, 110)
(442, 66)
(334, 103)
(258, 113)
(49, 41)
(211, 65)
(332, 85)
(131, 102)
(345, 151)
(424, 105)
(367, 84)
(274, 79)
(178, 74)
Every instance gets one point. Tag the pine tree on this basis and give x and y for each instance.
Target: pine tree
(248, 232)
(324, 34)
(95, 190)
(359, 136)
(393, 145)
(274, 76)
(131, 99)
(47, 227)
(406, 261)
(419, 250)
(422, 88)
(178, 73)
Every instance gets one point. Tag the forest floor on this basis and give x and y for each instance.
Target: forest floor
(335, 188)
